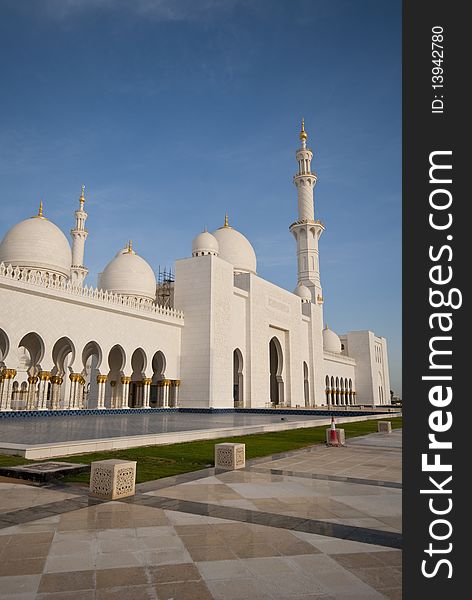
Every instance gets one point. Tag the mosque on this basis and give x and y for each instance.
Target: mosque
(215, 334)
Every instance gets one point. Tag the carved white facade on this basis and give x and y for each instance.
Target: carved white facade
(225, 337)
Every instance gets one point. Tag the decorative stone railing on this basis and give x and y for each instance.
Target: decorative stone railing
(17, 274)
(342, 357)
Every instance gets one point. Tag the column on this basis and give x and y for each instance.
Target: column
(101, 382)
(5, 399)
(165, 392)
(32, 400)
(56, 383)
(125, 391)
(76, 396)
(146, 391)
(80, 392)
(174, 392)
(44, 379)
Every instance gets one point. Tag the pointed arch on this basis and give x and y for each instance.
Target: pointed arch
(276, 367)
(238, 382)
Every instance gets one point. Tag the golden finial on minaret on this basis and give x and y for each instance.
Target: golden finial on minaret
(226, 221)
(82, 195)
(303, 133)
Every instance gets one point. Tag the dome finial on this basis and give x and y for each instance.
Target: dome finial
(40, 212)
(130, 247)
(303, 133)
(226, 220)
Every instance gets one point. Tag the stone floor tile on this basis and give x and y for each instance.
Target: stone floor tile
(22, 566)
(224, 569)
(24, 539)
(66, 582)
(393, 593)
(69, 563)
(135, 592)
(71, 546)
(174, 573)
(242, 550)
(164, 557)
(192, 590)
(18, 551)
(21, 584)
(356, 560)
(125, 576)
(77, 595)
(205, 553)
(266, 567)
(379, 577)
(239, 589)
(392, 558)
(115, 560)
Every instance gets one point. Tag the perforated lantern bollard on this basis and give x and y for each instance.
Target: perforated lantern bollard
(112, 479)
(384, 426)
(230, 456)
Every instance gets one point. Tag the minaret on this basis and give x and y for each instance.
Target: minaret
(306, 230)
(79, 235)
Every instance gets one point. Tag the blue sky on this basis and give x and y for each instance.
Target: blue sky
(173, 111)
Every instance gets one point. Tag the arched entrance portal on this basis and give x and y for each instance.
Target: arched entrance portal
(158, 377)
(276, 365)
(238, 390)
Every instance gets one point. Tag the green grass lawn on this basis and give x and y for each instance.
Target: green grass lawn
(155, 462)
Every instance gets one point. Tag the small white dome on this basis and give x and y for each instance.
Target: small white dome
(331, 342)
(37, 243)
(236, 249)
(129, 275)
(302, 291)
(205, 243)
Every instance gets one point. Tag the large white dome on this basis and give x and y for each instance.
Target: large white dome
(37, 243)
(303, 292)
(331, 342)
(129, 275)
(205, 243)
(236, 249)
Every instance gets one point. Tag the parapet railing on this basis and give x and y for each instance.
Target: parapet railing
(32, 278)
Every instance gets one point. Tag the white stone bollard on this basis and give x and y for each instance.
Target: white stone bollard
(340, 437)
(112, 479)
(230, 456)
(384, 426)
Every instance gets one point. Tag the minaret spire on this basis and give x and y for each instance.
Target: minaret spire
(79, 235)
(306, 230)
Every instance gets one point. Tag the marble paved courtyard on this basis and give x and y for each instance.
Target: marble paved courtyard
(320, 523)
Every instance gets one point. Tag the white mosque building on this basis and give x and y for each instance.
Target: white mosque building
(215, 335)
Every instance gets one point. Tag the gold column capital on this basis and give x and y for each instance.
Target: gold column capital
(102, 378)
(147, 381)
(9, 373)
(44, 375)
(125, 380)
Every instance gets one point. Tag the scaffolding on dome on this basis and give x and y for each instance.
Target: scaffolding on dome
(165, 287)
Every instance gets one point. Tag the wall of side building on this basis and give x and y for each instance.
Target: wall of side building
(372, 373)
(221, 317)
(55, 317)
